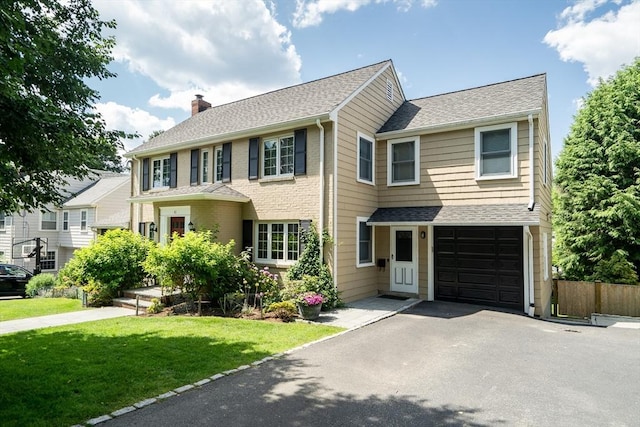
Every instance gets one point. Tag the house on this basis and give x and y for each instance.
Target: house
(94, 204)
(444, 197)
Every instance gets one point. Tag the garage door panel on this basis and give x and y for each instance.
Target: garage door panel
(481, 265)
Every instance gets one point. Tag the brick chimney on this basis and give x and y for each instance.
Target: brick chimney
(198, 105)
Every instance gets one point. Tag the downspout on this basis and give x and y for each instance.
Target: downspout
(532, 185)
(321, 213)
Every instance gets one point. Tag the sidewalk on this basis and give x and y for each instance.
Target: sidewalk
(88, 315)
(355, 315)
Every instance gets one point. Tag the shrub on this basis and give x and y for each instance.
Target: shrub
(285, 310)
(155, 307)
(195, 265)
(39, 282)
(616, 269)
(110, 264)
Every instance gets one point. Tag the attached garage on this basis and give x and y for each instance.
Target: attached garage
(480, 265)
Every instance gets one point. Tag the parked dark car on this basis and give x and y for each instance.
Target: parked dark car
(13, 280)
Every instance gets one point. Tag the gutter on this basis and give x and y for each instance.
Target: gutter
(532, 183)
(225, 137)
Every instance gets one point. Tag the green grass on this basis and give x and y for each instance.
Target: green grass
(67, 375)
(12, 309)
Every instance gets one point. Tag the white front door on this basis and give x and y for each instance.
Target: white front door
(404, 259)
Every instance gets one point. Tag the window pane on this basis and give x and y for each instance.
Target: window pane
(496, 141)
(219, 164)
(49, 221)
(205, 166)
(403, 162)
(263, 241)
(166, 172)
(496, 164)
(277, 241)
(366, 151)
(365, 252)
(404, 246)
(48, 262)
(270, 158)
(157, 173)
(286, 156)
(292, 242)
(83, 220)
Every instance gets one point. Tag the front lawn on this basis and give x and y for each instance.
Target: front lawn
(12, 309)
(67, 375)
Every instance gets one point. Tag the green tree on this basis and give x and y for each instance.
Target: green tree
(597, 195)
(49, 131)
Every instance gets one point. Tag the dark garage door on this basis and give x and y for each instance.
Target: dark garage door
(480, 265)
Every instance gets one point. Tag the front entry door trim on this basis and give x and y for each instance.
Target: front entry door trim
(404, 259)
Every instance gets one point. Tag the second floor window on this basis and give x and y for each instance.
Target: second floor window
(496, 151)
(365, 159)
(65, 221)
(205, 166)
(219, 164)
(83, 220)
(161, 172)
(403, 161)
(49, 221)
(278, 156)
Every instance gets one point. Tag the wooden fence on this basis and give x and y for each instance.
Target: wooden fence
(580, 299)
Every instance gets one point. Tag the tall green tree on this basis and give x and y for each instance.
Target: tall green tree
(49, 130)
(597, 194)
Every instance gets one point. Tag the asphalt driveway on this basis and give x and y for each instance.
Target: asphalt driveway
(435, 364)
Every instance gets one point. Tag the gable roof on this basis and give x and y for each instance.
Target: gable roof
(92, 195)
(511, 98)
(310, 100)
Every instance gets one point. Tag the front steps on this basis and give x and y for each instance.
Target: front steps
(141, 298)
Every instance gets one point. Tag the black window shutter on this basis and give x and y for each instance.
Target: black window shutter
(247, 234)
(226, 162)
(300, 148)
(195, 160)
(254, 158)
(173, 170)
(145, 174)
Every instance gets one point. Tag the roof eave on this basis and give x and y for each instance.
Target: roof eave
(244, 133)
(186, 197)
(462, 124)
(454, 224)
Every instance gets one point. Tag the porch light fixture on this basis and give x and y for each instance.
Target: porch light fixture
(191, 226)
(152, 227)
(423, 234)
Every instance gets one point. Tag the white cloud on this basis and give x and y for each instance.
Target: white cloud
(132, 120)
(603, 43)
(227, 49)
(310, 13)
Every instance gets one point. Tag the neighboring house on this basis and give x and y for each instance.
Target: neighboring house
(69, 227)
(445, 197)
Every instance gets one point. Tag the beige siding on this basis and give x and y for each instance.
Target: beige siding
(447, 174)
(366, 113)
(113, 202)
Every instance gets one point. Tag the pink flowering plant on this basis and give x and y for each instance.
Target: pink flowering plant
(309, 299)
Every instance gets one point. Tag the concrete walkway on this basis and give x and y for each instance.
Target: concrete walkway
(88, 315)
(353, 316)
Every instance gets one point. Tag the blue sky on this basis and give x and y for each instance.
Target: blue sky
(167, 50)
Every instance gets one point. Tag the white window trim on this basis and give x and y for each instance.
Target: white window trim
(203, 154)
(55, 260)
(5, 223)
(66, 221)
(545, 255)
(359, 220)
(277, 139)
(40, 222)
(513, 127)
(152, 178)
(545, 162)
(86, 221)
(217, 149)
(270, 261)
(373, 159)
(416, 155)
